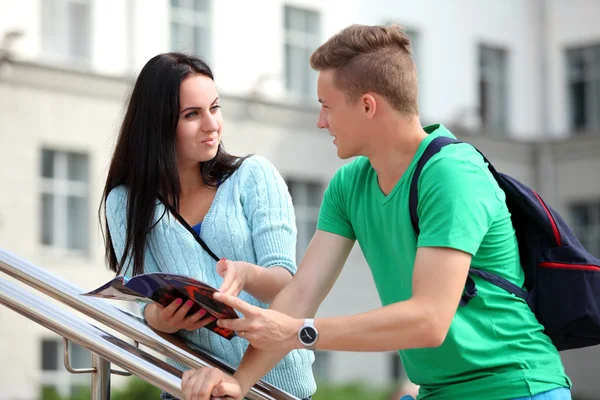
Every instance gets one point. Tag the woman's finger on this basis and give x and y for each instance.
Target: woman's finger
(193, 319)
(228, 280)
(202, 323)
(183, 311)
(235, 289)
(167, 312)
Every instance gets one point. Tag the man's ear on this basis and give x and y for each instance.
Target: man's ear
(368, 105)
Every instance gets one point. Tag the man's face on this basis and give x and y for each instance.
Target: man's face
(344, 121)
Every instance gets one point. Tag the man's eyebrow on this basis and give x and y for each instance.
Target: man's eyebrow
(198, 108)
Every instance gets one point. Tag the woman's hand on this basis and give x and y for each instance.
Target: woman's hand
(262, 283)
(172, 318)
(235, 274)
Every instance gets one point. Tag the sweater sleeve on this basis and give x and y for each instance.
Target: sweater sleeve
(116, 218)
(268, 207)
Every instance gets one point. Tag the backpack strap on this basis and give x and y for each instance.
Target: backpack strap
(432, 149)
(470, 288)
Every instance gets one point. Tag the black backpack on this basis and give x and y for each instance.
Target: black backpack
(562, 279)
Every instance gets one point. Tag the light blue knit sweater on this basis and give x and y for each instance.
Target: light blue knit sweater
(251, 219)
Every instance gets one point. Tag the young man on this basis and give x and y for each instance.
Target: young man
(493, 348)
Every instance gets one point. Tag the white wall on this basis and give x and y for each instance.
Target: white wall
(449, 34)
(248, 44)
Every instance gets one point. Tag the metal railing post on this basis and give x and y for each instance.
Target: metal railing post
(100, 378)
(123, 322)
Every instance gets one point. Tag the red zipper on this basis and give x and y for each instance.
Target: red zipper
(581, 267)
(552, 222)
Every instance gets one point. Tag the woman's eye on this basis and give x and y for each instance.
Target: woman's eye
(215, 107)
(191, 114)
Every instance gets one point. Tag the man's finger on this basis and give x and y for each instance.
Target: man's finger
(227, 389)
(235, 302)
(234, 324)
(187, 383)
(201, 324)
(203, 390)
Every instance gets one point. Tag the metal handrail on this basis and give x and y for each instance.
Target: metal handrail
(109, 347)
(113, 317)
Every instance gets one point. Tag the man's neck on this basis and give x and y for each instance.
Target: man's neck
(394, 151)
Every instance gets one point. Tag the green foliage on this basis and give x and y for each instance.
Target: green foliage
(351, 391)
(49, 393)
(136, 389)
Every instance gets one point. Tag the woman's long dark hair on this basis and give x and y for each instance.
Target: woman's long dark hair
(144, 160)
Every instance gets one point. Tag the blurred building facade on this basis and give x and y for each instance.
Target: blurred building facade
(520, 79)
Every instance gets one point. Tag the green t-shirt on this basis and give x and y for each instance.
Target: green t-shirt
(495, 348)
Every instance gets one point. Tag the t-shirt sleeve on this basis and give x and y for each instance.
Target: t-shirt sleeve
(458, 202)
(333, 215)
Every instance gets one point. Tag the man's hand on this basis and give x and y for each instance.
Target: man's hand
(209, 384)
(265, 329)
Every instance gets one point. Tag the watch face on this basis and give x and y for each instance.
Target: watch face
(308, 335)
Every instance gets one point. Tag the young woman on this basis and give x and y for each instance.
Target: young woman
(170, 174)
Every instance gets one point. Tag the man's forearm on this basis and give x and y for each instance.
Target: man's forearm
(301, 298)
(399, 326)
(256, 363)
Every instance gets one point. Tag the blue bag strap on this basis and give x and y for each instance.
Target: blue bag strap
(470, 291)
(500, 282)
(470, 288)
(432, 149)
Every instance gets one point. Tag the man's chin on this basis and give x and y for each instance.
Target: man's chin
(343, 156)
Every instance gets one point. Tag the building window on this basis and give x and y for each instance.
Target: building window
(191, 27)
(55, 380)
(66, 29)
(64, 200)
(493, 89)
(583, 71)
(307, 197)
(302, 37)
(586, 225)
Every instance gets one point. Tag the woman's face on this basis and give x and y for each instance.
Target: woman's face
(200, 121)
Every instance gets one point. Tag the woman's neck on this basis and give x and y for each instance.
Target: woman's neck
(190, 180)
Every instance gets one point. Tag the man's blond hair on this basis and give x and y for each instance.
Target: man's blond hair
(372, 59)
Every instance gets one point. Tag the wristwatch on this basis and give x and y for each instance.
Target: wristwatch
(308, 334)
